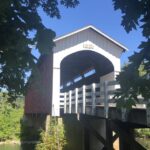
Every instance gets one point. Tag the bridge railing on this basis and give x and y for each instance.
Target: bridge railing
(86, 98)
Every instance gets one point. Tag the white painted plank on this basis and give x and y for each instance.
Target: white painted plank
(62, 103)
(88, 94)
(106, 99)
(110, 83)
(88, 100)
(61, 94)
(76, 100)
(88, 87)
(93, 98)
(83, 99)
(65, 103)
(70, 94)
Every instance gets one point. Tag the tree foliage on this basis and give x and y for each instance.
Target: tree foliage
(136, 14)
(10, 119)
(17, 19)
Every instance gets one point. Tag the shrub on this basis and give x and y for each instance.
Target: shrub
(54, 138)
(9, 121)
(143, 133)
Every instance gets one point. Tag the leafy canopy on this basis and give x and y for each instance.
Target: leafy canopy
(17, 19)
(135, 80)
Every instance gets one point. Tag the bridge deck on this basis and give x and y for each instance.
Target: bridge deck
(97, 100)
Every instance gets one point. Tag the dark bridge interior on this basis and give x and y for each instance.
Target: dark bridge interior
(83, 68)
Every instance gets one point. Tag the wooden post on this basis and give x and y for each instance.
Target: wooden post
(83, 99)
(76, 100)
(126, 137)
(93, 98)
(123, 114)
(86, 139)
(70, 95)
(106, 107)
(126, 144)
(109, 136)
(148, 113)
(47, 123)
(65, 104)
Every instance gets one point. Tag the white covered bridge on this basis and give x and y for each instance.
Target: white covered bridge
(80, 58)
(78, 79)
(78, 76)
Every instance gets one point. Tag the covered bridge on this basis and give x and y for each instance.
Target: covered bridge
(79, 58)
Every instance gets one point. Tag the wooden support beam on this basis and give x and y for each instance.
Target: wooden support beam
(139, 146)
(109, 136)
(88, 126)
(124, 114)
(127, 141)
(86, 139)
(47, 123)
(148, 114)
(96, 134)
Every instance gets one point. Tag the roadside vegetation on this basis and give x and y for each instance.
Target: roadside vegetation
(13, 128)
(143, 137)
(10, 117)
(143, 133)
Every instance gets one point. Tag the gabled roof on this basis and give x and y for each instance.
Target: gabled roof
(96, 30)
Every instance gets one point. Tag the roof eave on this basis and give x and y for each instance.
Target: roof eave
(95, 29)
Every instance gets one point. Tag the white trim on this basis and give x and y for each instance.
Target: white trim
(95, 29)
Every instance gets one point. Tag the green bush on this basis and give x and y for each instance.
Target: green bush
(54, 139)
(143, 133)
(9, 120)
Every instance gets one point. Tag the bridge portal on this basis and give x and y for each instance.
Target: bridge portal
(83, 68)
(78, 58)
(87, 50)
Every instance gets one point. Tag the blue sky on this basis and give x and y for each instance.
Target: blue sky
(99, 13)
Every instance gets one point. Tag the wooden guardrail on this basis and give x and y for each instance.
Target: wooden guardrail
(88, 97)
(77, 100)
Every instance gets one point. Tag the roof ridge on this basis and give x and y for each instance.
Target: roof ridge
(95, 29)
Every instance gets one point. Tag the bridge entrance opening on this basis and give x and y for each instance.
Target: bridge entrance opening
(84, 68)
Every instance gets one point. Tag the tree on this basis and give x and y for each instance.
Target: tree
(17, 19)
(136, 13)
